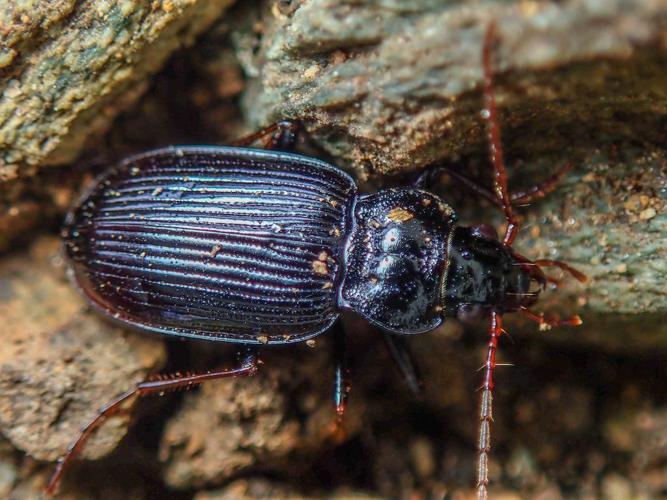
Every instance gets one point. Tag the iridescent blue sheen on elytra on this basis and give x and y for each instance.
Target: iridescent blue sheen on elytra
(219, 243)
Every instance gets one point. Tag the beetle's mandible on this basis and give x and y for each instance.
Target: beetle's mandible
(264, 246)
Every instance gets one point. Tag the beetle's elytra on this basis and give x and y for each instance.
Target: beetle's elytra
(215, 243)
(261, 247)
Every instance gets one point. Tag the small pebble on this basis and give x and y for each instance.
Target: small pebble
(647, 214)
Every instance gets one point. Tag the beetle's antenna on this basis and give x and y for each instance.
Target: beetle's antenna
(578, 275)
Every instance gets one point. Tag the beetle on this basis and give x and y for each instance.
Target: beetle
(264, 246)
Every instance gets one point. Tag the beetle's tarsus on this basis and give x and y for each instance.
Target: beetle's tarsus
(341, 373)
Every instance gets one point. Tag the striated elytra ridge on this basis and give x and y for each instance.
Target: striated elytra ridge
(256, 246)
(218, 243)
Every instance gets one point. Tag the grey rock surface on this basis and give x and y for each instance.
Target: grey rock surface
(609, 219)
(70, 67)
(392, 86)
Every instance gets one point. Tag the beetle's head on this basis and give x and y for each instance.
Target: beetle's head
(484, 274)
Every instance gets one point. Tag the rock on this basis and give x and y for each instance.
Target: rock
(8, 469)
(391, 87)
(641, 433)
(384, 87)
(21, 478)
(35, 204)
(237, 425)
(71, 67)
(59, 362)
(594, 222)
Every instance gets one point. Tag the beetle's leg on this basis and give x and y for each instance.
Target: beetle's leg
(429, 175)
(280, 136)
(531, 193)
(486, 406)
(405, 361)
(490, 114)
(578, 275)
(547, 322)
(341, 373)
(540, 190)
(154, 385)
(427, 178)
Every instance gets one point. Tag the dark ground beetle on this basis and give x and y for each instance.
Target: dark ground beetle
(262, 247)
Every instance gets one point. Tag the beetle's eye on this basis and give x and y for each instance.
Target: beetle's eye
(485, 231)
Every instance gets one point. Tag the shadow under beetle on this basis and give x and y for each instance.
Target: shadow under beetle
(261, 247)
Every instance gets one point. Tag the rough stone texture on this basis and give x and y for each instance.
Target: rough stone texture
(395, 86)
(643, 435)
(232, 426)
(22, 478)
(37, 203)
(568, 422)
(70, 67)
(610, 221)
(59, 362)
(584, 103)
(389, 86)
